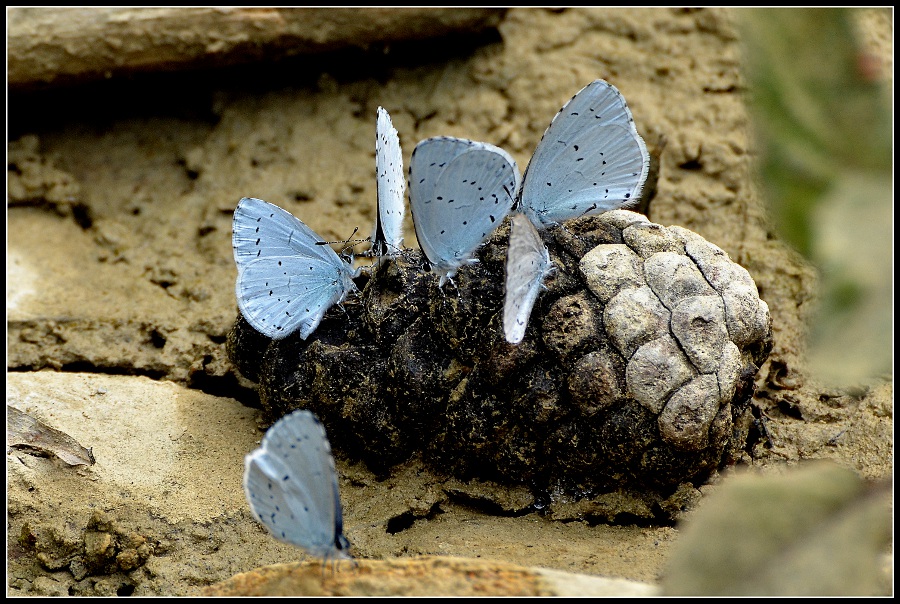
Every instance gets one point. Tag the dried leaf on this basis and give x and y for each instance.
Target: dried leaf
(25, 432)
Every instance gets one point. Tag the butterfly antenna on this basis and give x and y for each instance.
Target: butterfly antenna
(347, 243)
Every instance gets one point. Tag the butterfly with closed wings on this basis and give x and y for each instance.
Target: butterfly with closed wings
(527, 263)
(291, 486)
(459, 191)
(287, 279)
(387, 237)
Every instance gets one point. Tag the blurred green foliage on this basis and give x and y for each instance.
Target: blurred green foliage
(823, 120)
(816, 530)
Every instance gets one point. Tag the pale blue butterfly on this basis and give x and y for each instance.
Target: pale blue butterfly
(286, 279)
(459, 192)
(590, 159)
(527, 263)
(387, 238)
(291, 486)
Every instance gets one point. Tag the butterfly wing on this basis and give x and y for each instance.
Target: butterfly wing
(262, 229)
(291, 486)
(527, 262)
(591, 159)
(388, 236)
(285, 281)
(459, 191)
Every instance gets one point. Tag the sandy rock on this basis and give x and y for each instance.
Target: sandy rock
(423, 576)
(53, 45)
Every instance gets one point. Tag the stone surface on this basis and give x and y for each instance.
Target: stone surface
(423, 576)
(62, 45)
(634, 317)
(698, 323)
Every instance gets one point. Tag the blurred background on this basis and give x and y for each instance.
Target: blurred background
(821, 96)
